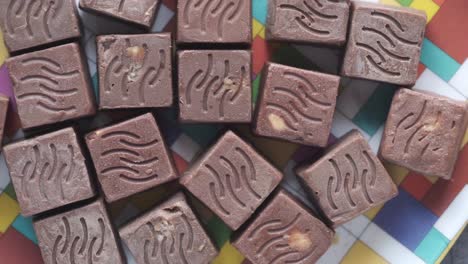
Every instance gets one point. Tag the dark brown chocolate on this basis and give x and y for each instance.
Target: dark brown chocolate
(48, 171)
(215, 86)
(170, 233)
(232, 179)
(296, 105)
(284, 232)
(308, 21)
(384, 43)
(424, 132)
(130, 157)
(348, 180)
(3, 114)
(51, 86)
(135, 71)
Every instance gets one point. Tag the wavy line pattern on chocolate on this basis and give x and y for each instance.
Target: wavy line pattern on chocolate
(304, 19)
(318, 13)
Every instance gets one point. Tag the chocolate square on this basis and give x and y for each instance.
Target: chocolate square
(424, 132)
(3, 115)
(217, 21)
(169, 233)
(284, 232)
(308, 21)
(51, 86)
(348, 180)
(215, 86)
(130, 157)
(296, 105)
(135, 71)
(232, 179)
(384, 43)
(31, 23)
(83, 235)
(48, 171)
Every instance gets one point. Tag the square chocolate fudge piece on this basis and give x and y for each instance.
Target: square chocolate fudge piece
(284, 232)
(82, 235)
(215, 86)
(232, 179)
(308, 21)
(48, 171)
(384, 43)
(3, 115)
(217, 21)
(296, 105)
(140, 12)
(153, 237)
(130, 157)
(135, 71)
(31, 23)
(348, 180)
(51, 86)
(424, 132)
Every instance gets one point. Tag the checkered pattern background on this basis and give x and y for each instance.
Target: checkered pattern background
(418, 226)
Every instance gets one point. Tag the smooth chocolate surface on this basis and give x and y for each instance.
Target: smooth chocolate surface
(284, 232)
(384, 43)
(51, 86)
(308, 21)
(48, 171)
(232, 179)
(215, 86)
(135, 71)
(424, 132)
(130, 157)
(3, 115)
(348, 180)
(296, 105)
(30, 23)
(169, 233)
(83, 235)
(217, 21)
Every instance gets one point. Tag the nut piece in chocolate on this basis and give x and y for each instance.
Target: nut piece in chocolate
(135, 71)
(384, 43)
(296, 105)
(170, 233)
(232, 179)
(284, 232)
(130, 157)
(51, 86)
(308, 21)
(48, 171)
(348, 180)
(215, 86)
(83, 235)
(30, 23)
(3, 115)
(424, 132)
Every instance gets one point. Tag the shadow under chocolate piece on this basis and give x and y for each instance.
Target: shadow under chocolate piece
(384, 43)
(424, 132)
(284, 232)
(296, 105)
(232, 179)
(348, 180)
(169, 233)
(4, 101)
(308, 21)
(215, 86)
(130, 157)
(135, 71)
(82, 235)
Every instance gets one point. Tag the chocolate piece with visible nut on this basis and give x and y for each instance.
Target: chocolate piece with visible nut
(170, 225)
(384, 43)
(284, 232)
(232, 179)
(3, 115)
(296, 105)
(130, 157)
(215, 86)
(424, 132)
(51, 86)
(135, 71)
